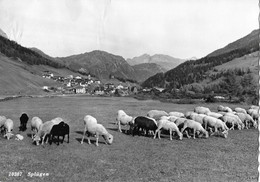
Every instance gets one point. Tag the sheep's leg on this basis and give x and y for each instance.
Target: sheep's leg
(58, 139)
(187, 134)
(84, 133)
(43, 138)
(170, 134)
(47, 139)
(119, 126)
(97, 139)
(155, 134)
(68, 138)
(159, 134)
(233, 127)
(194, 133)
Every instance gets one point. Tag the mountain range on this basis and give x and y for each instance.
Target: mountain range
(164, 61)
(22, 68)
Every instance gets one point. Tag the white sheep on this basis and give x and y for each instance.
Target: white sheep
(177, 114)
(231, 120)
(254, 113)
(197, 127)
(224, 108)
(201, 110)
(36, 122)
(220, 108)
(216, 124)
(237, 120)
(123, 119)
(240, 110)
(167, 125)
(43, 131)
(247, 120)
(92, 127)
(227, 109)
(156, 114)
(8, 125)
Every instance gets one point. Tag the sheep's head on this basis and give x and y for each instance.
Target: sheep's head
(36, 139)
(109, 138)
(8, 135)
(225, 133)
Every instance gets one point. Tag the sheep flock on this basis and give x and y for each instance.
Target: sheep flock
(199, 123)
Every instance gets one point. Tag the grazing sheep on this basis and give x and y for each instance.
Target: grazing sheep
(197, 127)
(123, 119)
(144, 123)
(224, 108)
(214, 114)
(23, 122)
(8, 125)
(177, 114)
(156, 114)
(240, 110)
(167, 125)
(247, 120)
(254, 113)
(220, 108)
(93, 128)
(36, 122)
(44, 131)
(58, 130)
(228, 109)
(216, 124)
(201, 110)
(237, 120)
(231, 121)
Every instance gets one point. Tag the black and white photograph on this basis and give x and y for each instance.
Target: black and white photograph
(129, 90)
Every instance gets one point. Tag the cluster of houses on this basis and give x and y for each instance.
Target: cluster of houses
(87, 85)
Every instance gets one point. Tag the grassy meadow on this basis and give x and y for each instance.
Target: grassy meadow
(129, 158)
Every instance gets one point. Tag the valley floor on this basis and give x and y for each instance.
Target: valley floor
(129, 158)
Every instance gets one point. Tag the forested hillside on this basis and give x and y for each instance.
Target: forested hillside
(194, 70)
(208, 76)
(12, 49)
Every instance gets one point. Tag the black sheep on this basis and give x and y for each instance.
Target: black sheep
(23, 122)
(144, 123)
(58, 130)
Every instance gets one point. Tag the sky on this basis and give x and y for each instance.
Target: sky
(179, 28)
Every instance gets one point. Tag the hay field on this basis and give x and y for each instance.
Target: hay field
(129, 158)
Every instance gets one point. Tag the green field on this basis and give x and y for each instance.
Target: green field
(129, 158)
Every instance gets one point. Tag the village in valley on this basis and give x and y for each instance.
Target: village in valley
(88, 85)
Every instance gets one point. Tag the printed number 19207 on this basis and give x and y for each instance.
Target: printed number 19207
(15, 173)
